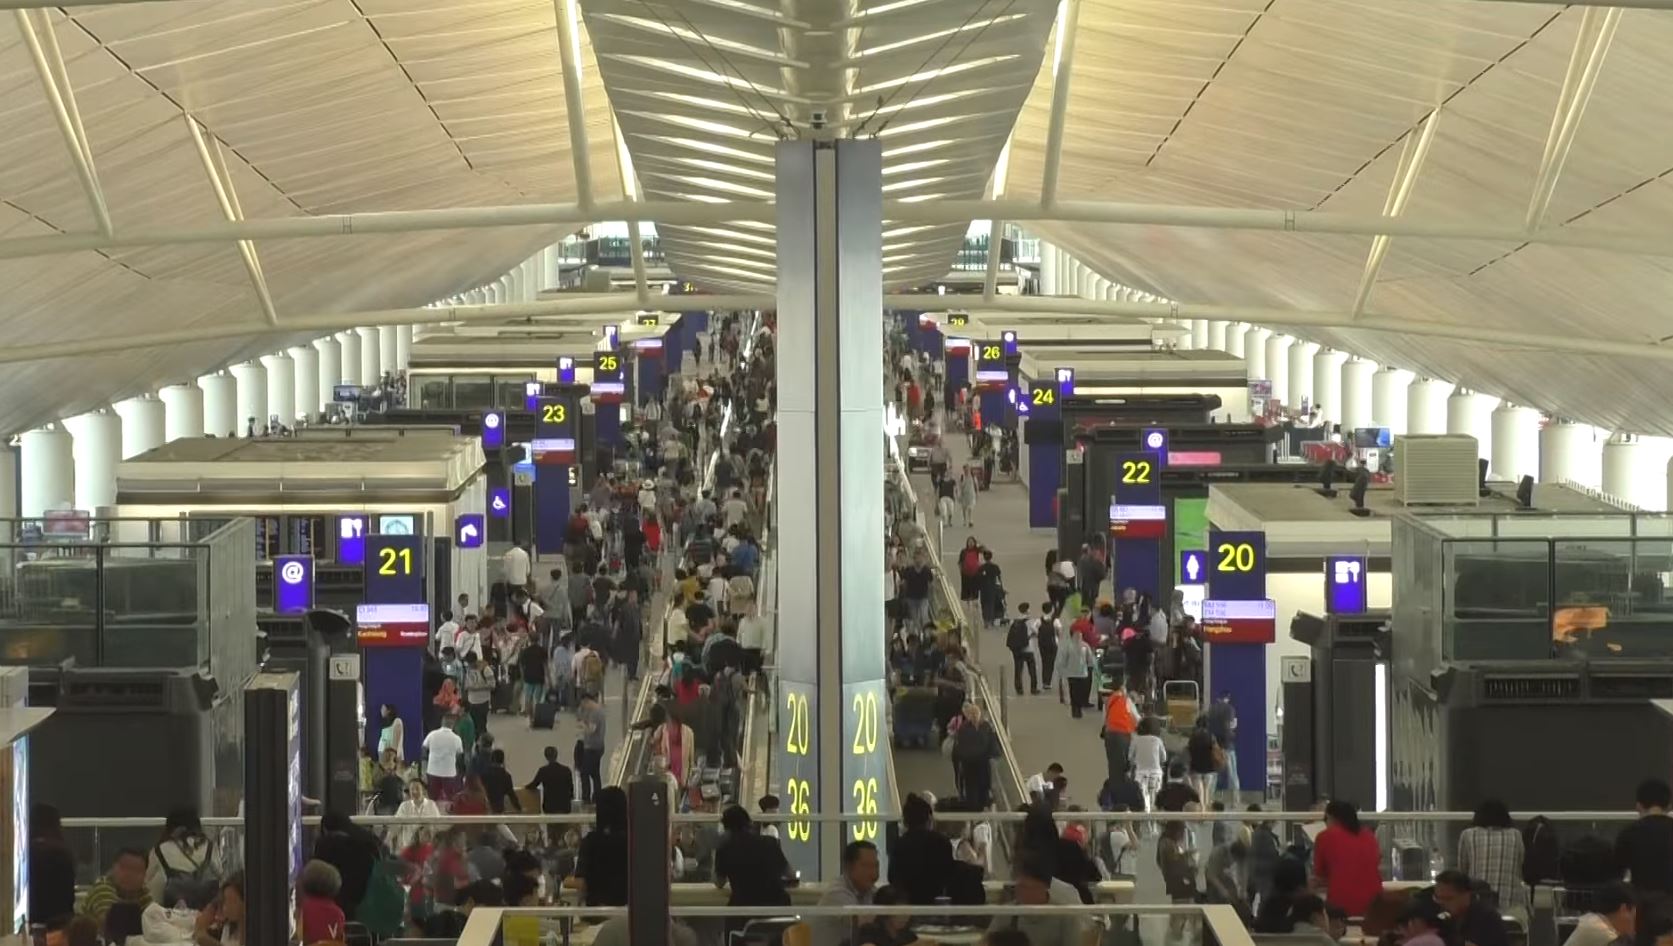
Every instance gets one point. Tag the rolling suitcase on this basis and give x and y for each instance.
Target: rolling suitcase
(545, 714)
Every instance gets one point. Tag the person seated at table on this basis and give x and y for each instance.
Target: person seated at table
(921, 863)
(1035, 886)
(886, 929)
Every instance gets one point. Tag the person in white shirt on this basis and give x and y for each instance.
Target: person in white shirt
(442, 752)
(1614, 916)
(717, 593)
(417, 804)
(1038, 783)
(514, 567)
(1150, 759)
(734, 510)
(448, 634)
(647, 497)
(467, 641)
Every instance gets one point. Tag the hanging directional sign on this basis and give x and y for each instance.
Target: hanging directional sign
(493, 430)
(469, 530)
(499, 502)
(1193, 567)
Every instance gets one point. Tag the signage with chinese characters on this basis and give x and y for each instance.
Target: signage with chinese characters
(351, 540)
(293, 584)
(392, 625)
(499, 502)
(1193, 567)
(469, 530)
(1239, 621)
(1344, 584)
(493, 430)
(1138, 522)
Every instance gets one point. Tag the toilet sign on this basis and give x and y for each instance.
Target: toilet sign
(1193, 567)
(1344, 584)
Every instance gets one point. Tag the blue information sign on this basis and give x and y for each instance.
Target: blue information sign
(1193, 567)
(531, 393)
(469, 530)
(1155, 440)
(1008, 340)
(1237, 566)
(293, 584)
(493, 430)
(566, 369)
(499, 502)
(395, 569)
(1065, 381)
(351, 539)
(1344, 584)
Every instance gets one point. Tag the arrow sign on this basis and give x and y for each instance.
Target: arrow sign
(469, 530)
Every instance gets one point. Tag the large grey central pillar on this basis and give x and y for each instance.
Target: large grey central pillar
(832, 751)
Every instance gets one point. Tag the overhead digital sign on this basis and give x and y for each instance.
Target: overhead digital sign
(493, 430)
(293, 584)
(958, 319)
(1138, 522)
(607, 385)
(1239, 621)
(991, 370)
(392, 625)
(1344, 584)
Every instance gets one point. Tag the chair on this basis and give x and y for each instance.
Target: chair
(798, 934)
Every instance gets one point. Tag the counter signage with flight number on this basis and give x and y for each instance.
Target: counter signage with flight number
(646, 320)
(1237, 566)
(395, 569)
(1239, 622)
(554, 432)
(1344, 584)
(958, 319)
(392, 625)
(1138, 479)
(607, 386)
(991, 370)
(1138, 522)
(1042, 394)
(864, 769)
(798, 766)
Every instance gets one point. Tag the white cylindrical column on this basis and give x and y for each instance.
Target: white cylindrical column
(46, 472)
(371, 357)
(1300, 389)
(305, 358)
(143, 423)
(1570, 451)
(1630, 470)
(1515, 443)
(97, 445)
(1254, 354)
(220, 405)
(1278, 367)
(252, 396)
(1355, 382)
(1236, 334)
(1199, 334)
(389, 345)
(1048, 269)
(403, 347)
(1426, 406)
(349, 347)
(1388, 399)
(281, 387)
(10, 481)
(1217, 332)
(1327, 384)
(1185, 339)
(1468, 412)
(182, 411)
(330, 366)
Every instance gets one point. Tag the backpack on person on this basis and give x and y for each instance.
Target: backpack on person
(1542, 860)
(384, 907)
(592, 674)
(196, 882)
(1016, 639)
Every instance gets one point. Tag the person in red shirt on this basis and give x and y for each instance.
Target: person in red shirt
(1084, 627)
(322, 919)
(1347, 860)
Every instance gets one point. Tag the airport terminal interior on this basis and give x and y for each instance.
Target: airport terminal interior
(836, 472)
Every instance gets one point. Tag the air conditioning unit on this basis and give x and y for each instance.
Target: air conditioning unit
(1437, 470)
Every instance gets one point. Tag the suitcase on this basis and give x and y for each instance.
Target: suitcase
(503, 696)
(545, 715)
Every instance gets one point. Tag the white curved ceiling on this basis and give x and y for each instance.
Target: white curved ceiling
(327, 106)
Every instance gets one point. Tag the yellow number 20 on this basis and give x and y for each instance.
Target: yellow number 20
(865, 723)
(1135, 472)
(796, 735)
(1236, 557)
(554, 414)
(389, 558)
